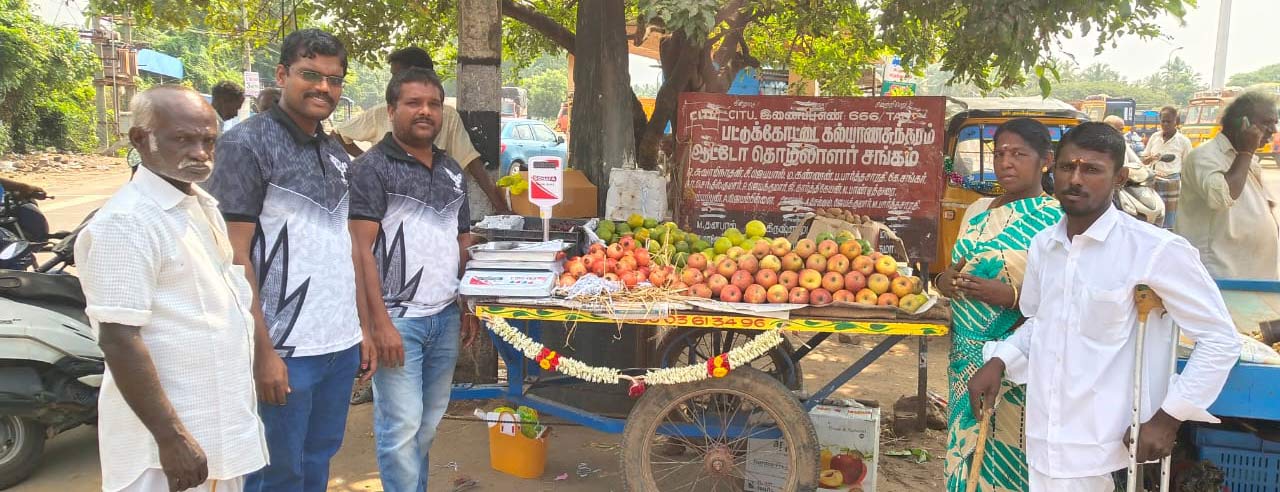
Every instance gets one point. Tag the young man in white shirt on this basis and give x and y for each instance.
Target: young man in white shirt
(1168, 174)
(1226, 211)
(1076, 350)
(177, 409)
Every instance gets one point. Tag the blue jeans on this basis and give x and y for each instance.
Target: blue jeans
(305, 432)
(409, 401)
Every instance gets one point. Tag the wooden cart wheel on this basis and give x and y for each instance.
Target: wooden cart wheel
(719, 434)
(692, 346)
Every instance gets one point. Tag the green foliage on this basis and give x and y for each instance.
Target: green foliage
(547, 80)
(1269, 73)
(695, 18)
(1177, 79)
(46, 91)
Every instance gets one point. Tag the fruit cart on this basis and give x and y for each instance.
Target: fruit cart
(740, 427)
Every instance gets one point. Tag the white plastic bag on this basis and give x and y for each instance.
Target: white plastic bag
(636, 191)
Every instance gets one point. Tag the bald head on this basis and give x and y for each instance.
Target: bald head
(1115, 122)
(173, 131)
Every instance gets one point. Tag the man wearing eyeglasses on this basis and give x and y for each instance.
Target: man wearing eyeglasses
(282, 187)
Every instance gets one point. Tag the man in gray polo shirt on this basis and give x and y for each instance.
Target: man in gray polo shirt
(409, 219)
(281, 184)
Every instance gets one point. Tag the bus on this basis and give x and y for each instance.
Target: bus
(1100, 106)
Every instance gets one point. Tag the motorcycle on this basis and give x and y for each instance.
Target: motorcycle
(1139, 199)
(50, 363)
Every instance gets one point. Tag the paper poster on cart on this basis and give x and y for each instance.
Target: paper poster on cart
(849, 438)
(779, 158)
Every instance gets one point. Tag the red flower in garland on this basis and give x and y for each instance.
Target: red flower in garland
(637, 388)
(718, 366)
(548, 359)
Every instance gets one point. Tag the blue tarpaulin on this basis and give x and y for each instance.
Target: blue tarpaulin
(158, 63)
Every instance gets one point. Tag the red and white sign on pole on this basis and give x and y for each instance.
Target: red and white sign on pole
(546, 187)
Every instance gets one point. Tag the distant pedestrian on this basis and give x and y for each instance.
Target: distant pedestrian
(267, 99)
(1168, 180)
(1226, 211)
(282, 184)
(176, 409)
(227, 98)
(410, 221)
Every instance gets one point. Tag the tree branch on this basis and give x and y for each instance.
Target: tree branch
(527, 15)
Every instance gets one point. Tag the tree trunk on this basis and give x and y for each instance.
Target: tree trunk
(604, 136)
(479, 102)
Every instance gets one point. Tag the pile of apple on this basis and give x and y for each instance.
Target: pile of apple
(623, 262)
(804, 273)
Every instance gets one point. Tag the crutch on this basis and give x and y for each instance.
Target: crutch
(1166, 463)
(1145, 300)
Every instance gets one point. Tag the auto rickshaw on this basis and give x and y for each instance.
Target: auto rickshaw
(970, 140)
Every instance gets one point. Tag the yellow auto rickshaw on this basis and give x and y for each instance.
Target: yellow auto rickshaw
(968, 163)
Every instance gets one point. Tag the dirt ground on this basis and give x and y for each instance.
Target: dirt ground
(461, 447)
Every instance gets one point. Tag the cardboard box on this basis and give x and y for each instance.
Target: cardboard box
(579, 198)
(844, 428)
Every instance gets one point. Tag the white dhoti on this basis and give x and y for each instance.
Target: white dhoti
(154, 480)
(1039, 482)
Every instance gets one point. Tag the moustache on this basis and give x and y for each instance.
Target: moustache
(189, 163)
(1073, 191)
(326, 97)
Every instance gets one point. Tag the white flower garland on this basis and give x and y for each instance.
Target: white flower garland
(738, 357)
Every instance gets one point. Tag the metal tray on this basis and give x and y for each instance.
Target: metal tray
(518, 250)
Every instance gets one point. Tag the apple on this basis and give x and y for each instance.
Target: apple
(805, 247)
(865, 265)
(754, 294)
(726, 267)
(792, 262)
(831, 479)
(832, 281)
(844, 295)
(855, 281)
(598, 266)
(866, 296)
(819, 297)
(595, 248)
(761, 248)
(691, 276)
(630, 279)
(735, 252)
(767, 278)
(838, 263)
(612, 277)
(777, 294)
(789, 279)
(887, 299)
(742, 279)
(565, 280)
(851, 468)
(614, 251)
(917, 285)
(644, 272)
(730, 293)
(816, 262)
(900, 286)
(827, 248)
(748, 263)
(627, 263)
(912, 302)
(875, 255)
(700, 290)
(878, 283)
(851, 249)
(696, 261)
(810, 279)
(770, 262)
(798, 295)
(717, 282)
(628, 243)
(780, 247)
(610, 265)
(887, 265)
(678, 286)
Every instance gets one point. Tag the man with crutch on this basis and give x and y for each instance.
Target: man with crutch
(1078, 349)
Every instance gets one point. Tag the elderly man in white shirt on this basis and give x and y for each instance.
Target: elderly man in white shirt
(1077, 348)
(1227, 213)
(1168, 174)
(177, 409)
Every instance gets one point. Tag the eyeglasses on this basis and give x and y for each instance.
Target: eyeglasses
(317, 77)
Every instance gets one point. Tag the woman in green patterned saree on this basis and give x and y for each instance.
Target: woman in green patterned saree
(988, 263)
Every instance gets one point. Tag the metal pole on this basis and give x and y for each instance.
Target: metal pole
(1220, 49)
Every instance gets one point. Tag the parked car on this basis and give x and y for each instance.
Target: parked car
(525, 138)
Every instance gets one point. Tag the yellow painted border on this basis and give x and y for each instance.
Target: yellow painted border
(723, 321)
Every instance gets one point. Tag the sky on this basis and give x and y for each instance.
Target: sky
(1253, 42)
